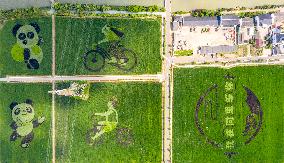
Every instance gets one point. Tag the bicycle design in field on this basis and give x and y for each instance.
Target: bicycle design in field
(110, 50)
(123, 135)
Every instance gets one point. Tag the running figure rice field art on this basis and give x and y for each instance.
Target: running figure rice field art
(110, 49)
(108, 124)
(78, 91)
(27, 48)
(23, 122)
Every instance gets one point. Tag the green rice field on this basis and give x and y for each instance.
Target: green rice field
(139, 111)
(40, 148)
(75, 37)
(8, 66)
(213, 144)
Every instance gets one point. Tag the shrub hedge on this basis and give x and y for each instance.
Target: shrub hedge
(205, 12)
(184, 52)
(23, 13)
(60, 7)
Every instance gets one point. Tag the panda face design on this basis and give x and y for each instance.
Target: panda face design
(22, 113)
(27, 36)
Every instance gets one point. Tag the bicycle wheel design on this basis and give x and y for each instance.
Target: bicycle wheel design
(94, 60)
(124, 136)
(91, 133)
(127, 60)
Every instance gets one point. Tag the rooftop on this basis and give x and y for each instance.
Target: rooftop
(279, 17)
(265, 16)
(201, 21)
(177, 18)
(230, 16)
(279, 37)
(247, 22)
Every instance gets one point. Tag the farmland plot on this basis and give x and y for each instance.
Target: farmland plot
(25, 47)
(235, 114)
(132, 46)
(132, 132)
(19, 142)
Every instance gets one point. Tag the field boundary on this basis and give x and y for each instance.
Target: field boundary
(279, 63)
(96, 79)
(53, 88)
(146, 78)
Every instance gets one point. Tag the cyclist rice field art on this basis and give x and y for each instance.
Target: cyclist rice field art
(111, 50)
(109, 123)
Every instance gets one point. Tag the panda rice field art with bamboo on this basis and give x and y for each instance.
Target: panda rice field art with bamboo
(23, 122)
(27, 48)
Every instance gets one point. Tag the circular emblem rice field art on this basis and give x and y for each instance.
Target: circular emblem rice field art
(228, 117)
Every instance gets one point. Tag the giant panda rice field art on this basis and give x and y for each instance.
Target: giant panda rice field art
(79, 121)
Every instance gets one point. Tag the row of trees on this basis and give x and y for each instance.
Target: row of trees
(59, 7)
(92, 14)
(203, 12)
(268, 6)
(22, 13)
(36, 12)
(249, 14)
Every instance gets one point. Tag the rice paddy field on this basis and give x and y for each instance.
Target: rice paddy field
(235, 114)
(75, 37)
(8, 65)
(40, 147)
(137, 137)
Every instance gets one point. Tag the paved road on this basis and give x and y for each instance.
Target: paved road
(188, 59)
(167, 106)
(254, 10)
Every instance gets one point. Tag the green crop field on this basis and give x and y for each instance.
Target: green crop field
(40, 147)
(75, 37)
(139, 111)
(263, 134)
(8, 66)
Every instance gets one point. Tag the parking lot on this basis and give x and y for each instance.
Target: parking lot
(194, 37)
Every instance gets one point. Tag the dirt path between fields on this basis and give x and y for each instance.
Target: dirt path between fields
(94, 79)
(53, 89)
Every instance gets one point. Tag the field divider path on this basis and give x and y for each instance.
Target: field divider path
(96, 79)
(53, 124)
(188, 59)
(53, 45)
(53, 88)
